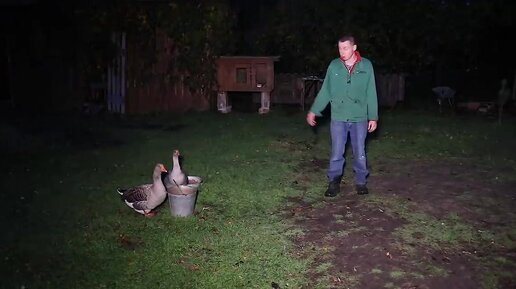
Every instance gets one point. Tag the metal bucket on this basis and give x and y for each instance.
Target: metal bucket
(182, 198)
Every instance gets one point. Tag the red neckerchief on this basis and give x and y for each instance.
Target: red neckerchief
(359, 58)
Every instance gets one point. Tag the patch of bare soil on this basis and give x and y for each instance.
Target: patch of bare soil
(352, 241)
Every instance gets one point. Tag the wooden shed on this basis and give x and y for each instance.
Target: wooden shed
(245, 74)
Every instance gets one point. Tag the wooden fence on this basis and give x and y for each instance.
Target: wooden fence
(292, 88)
(133, 87)
(390, 89)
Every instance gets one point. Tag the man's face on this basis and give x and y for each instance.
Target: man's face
(346, 50)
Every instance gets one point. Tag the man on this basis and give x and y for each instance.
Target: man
(349, 87)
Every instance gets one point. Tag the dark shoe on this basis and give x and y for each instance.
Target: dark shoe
(362, 190)
(333, 189)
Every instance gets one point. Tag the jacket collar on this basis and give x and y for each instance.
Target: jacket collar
(359, 58)
(357, 54)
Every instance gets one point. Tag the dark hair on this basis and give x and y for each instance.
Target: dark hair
(349, 38)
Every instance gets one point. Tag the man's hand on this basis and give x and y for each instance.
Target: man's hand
(371, 126)
(310, 119)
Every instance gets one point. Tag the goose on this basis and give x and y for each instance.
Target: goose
(176, 177)
(144, 198)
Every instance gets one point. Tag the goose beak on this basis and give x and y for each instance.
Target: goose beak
(150, 214)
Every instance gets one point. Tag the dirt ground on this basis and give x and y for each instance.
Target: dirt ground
(392, 237)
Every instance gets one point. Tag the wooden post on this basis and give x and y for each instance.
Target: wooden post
(265, 102)
(10, 82)
(222, 102)
(123, 77)
(503, 96)
(117, 82)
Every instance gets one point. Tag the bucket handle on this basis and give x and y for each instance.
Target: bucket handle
(178, 187)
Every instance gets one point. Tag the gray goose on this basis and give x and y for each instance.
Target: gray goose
(146, 197)
(176, 177)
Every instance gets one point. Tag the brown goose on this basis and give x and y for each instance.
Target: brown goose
(176, 177)
(144, 198)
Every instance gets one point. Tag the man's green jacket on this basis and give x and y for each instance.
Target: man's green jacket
(352, 96)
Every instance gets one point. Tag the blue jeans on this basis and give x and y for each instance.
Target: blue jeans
(339, 136)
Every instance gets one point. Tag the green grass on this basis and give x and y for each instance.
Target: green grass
(448, 232)
(376, 271)
(423, 135)
(63, 225)
(73, 231)
(396, 274)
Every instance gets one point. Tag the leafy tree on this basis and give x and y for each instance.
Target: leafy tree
(199, 30)
(400, 36)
